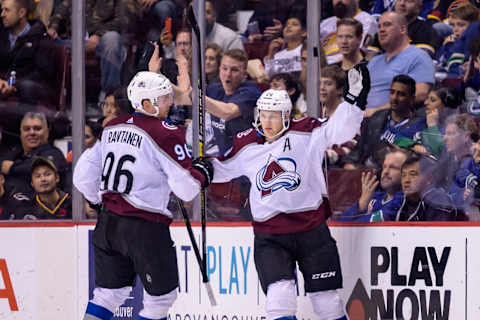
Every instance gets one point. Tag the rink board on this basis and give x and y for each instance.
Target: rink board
(408, 272)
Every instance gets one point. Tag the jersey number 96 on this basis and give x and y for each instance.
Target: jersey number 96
(119, 172)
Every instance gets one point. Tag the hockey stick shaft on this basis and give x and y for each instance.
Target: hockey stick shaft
(203, 269)
(201, 129)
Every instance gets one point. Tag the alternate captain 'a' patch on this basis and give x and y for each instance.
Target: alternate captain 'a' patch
(277, 173)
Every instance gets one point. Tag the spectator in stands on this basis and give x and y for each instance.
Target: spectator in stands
(458, 144)
(173, 53)
(92, 134)
(371, 200)
(156, 13)
(16, 165)
(349, 39)
(106, 21)
(380, 130)
(6, 208)
(180, 79)
(301, 104)
(284, 53)
(225, 37)
(115, 104)
(332, 83)
(328, 27)
(466, 185)
(460, 18)
(47, 201)
(27, 51)
(230, 102)
(285, 81)
(421, 34)
(399, 58)
(461, 50)
(382, 6)
(439, 16)
(423, 200)
(213, 56)
(440, 103)
(470, 85)
(267, 20)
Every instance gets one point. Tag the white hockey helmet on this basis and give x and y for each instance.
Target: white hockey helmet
(148, 86)
(274, 100)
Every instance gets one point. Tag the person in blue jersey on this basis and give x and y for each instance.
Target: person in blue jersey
(371, 200)
(282, 158)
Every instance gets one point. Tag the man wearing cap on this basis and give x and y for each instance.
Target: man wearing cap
(48, 201)
(17, 164)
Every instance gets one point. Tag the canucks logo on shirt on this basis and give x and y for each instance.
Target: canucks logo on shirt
(277, 173)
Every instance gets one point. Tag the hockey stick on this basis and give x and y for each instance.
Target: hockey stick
(202, 266)
(201, 133)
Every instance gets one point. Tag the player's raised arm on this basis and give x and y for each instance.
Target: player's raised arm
(346, 120)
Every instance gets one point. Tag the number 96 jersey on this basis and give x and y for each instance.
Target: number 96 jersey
(136, 164)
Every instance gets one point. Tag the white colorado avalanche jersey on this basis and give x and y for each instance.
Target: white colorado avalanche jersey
(288, 184)
(135, 166)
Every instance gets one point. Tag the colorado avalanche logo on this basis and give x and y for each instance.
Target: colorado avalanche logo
(277, 174)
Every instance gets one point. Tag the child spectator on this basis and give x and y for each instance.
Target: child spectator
(332, 83)
(284, 53)
(459, 19)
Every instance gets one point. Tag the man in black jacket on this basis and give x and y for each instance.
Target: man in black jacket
(27, 52)
(423, 201)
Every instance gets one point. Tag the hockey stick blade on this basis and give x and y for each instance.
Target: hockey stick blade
(211, 297)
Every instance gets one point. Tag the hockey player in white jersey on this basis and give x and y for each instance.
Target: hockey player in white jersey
(283, 158)
(140, 159)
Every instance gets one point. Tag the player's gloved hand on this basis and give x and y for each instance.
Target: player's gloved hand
(95, 206)
(204, 167)
(357, 85)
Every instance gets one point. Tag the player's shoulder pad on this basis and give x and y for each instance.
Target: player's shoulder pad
(307, 124)
(241, 140)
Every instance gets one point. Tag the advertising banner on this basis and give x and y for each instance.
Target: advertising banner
(390, 272)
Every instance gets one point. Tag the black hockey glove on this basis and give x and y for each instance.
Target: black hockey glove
(357, 85)
(205, 168)
(97, 207)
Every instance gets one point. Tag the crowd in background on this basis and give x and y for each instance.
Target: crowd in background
(418, 150)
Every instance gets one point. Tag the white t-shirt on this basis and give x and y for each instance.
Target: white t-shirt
(284, 61)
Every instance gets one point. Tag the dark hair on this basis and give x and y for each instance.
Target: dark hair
(474, 47)
(95, 127)
(352, 23)
(25, 4)
(121, 99)
(290, 83)
(406, 80)
(448, 96)
(336, 73)
(427, 165)
(299, 12)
